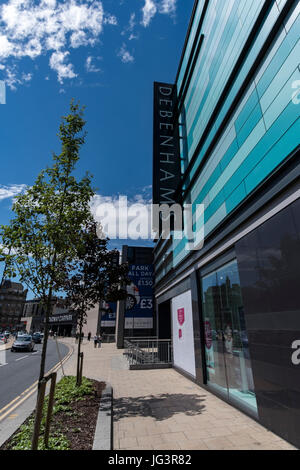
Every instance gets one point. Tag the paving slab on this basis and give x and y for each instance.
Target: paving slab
(162, 410)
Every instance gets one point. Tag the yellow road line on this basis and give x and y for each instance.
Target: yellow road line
(30, 390)
(20, 396)
(8, 412)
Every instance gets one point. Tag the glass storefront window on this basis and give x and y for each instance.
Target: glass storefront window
(228, 361)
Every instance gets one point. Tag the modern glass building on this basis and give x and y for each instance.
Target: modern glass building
(232, 306)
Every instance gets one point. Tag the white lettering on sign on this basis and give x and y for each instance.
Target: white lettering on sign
(296, 354)
(166, 145)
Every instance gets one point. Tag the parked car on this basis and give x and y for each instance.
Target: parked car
(37, 338)
(23, 343)
(22, 333)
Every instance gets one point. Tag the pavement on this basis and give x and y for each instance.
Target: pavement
(162, 410)
(4, 347)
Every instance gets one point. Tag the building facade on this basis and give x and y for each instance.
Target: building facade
(12, 300)
(232, 303)
(62, 320)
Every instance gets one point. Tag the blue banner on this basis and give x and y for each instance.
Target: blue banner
(139, 304)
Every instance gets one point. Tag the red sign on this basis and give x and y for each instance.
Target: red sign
(180, 316)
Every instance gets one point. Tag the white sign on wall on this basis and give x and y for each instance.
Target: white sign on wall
(183, 333)
(138, 323)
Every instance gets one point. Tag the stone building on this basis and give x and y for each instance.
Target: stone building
(12, 300)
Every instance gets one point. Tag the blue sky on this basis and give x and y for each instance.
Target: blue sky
(105, 54)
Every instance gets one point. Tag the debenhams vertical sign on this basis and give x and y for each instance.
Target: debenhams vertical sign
(166, 152)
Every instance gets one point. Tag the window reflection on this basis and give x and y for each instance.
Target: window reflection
(226, 342)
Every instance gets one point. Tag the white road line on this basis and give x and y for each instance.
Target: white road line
(20, 359)
(2, 365)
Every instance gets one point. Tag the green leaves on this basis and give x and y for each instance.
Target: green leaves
(95, 275)
(45, 234)
(66, 392)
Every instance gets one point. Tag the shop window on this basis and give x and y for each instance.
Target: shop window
(226, 341)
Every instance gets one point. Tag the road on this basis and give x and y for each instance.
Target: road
(19, 370)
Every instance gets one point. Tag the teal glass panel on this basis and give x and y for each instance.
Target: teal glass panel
(229, 155)
(280, 126)
(210, 182)
(246, 111)
(214, 206)
(249, 125)
(236, 197)
(281, 77)
(260, 129)
(281, 100)
(287, 143)
(190, 42)
(282, 54)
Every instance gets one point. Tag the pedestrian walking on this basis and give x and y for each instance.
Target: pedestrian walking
(95, 341)
(99, 341)
(89, 336)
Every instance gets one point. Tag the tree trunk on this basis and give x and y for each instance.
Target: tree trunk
(46, 334)
(78, 356)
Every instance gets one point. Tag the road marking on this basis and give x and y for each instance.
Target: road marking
(2, 365)
(20, 359)
(17, 398)
(30, 390)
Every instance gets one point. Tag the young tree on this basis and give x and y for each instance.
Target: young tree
(46, 234)
(97, 276)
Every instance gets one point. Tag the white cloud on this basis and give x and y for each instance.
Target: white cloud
(168, 7)
(90, 67)
(133, 36)
(131, 22)
(125, 55)
(128, 30)
(30, 28)
(149, 11)
(11, 191)
(13, 78)
(151, 7)
(57, 63)
(110, 19)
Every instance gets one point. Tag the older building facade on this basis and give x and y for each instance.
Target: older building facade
(12, 300)
(232, 304)
(62, 320)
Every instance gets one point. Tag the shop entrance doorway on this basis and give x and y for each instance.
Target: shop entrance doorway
(164, 330)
